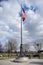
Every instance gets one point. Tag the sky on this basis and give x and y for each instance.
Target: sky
(10, 21)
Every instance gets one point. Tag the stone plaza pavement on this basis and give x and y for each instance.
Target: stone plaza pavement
(29, 62)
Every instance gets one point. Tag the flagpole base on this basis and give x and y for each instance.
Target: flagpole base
(21, 59)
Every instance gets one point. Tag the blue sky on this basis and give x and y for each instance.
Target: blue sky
(10, 20)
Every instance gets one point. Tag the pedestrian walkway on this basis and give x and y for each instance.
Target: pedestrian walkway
(29, 62)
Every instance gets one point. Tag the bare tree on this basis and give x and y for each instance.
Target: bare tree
(0, 47)
(11, 45)
(37, 46)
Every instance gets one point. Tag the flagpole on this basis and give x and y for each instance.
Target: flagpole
(23, 17)
(21, 25)
(21, 49)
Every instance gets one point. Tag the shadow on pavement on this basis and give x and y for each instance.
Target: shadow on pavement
(39, 63)
(18, 61)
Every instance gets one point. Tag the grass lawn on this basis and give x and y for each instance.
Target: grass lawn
(4, 58)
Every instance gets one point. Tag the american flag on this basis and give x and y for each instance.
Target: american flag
(23, 14)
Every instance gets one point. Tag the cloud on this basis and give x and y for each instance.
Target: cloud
(1, 9)
(10, 22)
(39, 4)
(3, 0)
